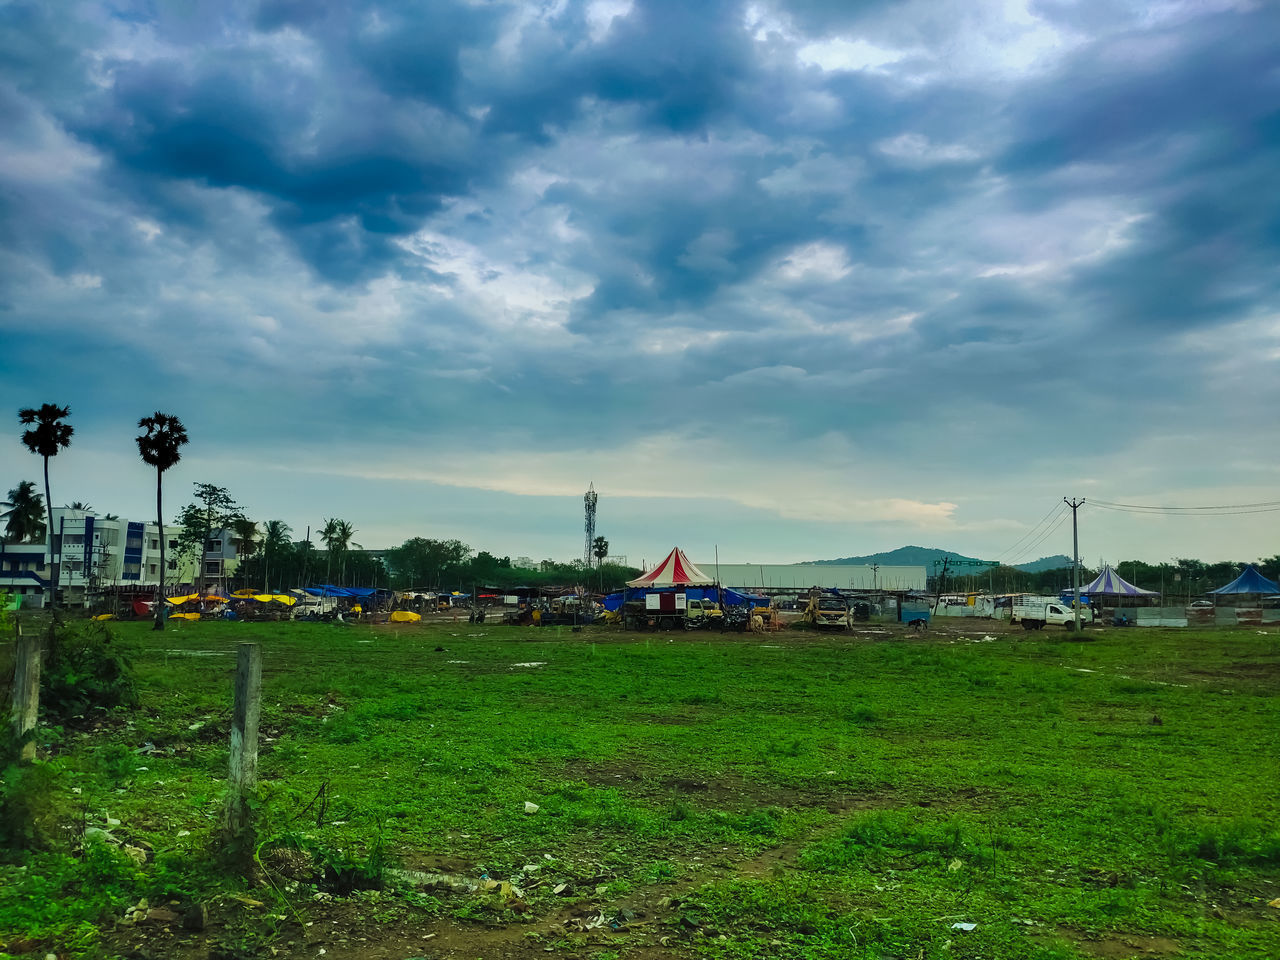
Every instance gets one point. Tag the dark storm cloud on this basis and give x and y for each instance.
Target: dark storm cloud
(385, 217)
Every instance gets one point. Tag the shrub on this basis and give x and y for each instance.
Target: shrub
(85, 669)
(31, 806)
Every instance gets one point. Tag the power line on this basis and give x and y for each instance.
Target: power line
(1215, 510)
(1029, 549)
(1056, 508)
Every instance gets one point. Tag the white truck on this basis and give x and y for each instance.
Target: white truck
(1034, 612)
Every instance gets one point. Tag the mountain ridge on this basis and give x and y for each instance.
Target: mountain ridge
(913, 556)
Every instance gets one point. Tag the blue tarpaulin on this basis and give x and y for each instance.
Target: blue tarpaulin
(731, 598)
(329, 590)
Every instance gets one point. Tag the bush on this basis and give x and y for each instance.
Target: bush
(85, 669)
(31, 806)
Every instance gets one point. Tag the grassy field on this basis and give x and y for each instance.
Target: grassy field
(700, 796)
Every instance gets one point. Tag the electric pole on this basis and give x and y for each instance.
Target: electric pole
(875, 570)
(1075, 555)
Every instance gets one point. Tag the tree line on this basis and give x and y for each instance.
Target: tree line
(1185, 577)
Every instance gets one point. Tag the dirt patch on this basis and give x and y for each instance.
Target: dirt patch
(1121, 946)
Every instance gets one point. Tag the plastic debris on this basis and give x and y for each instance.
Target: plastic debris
(955, 865)
(966, 927)
(530, 807)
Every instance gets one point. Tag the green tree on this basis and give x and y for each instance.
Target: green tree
(1270, 567)
(599, 549)
(275, 544)
(213, 512)
(80, 505)
(49, 434)
(429, 564)
(158, 446)
(328, 536)
(24, 516)
(246, 537)
(340, 543)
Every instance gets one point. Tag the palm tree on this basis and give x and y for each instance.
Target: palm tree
(329, 536)
(246, 533)
(600, 549)
(24, 518)
(275, 537)
(48, 435)
(342, 534)
(159, 448)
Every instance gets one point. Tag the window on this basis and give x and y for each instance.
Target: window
(173, 544)
(213, 546)
(155, 543)
(213, 568)
(172, 564)
(152, 567)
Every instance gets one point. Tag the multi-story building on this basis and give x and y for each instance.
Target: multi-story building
(100, 554)
(24, 572)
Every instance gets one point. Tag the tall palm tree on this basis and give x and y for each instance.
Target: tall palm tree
(329, 536)
(24, 518)
(246, 534)
(158, 446)
(275, 538)
(49, 433)
(80, 505)
(342, 534)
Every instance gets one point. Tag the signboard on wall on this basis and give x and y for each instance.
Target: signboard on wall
(653, 601)
(680, 601)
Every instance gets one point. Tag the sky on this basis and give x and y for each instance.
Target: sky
(789, 281)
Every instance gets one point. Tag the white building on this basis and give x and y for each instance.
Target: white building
(801, 576)
(99, 554)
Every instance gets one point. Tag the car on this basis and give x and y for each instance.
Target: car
(1202, 603)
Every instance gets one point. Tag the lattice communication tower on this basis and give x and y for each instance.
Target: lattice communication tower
(589, 524)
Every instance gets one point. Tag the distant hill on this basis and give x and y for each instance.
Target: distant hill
(925, 557)
(904, 557)
(1045, 563)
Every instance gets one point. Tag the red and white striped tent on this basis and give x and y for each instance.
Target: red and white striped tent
(675, 571)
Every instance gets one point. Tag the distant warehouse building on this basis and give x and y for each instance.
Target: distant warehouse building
(801, 576)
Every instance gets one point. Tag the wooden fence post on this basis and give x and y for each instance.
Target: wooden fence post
(243, 779)
(26, 690)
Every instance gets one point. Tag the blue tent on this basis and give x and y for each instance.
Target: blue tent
(1250, 581)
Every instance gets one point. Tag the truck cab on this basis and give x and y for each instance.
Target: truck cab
(699, 609)
(827, 612)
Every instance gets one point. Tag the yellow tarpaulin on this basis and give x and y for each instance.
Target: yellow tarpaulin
(184, 616)
(274, 598)
(105, 616)
(405, 616)
(246, 594)
(178, 601)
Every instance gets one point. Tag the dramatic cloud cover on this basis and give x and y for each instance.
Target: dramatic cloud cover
(801, 279)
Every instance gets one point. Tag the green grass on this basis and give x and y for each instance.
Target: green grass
(1053, 793)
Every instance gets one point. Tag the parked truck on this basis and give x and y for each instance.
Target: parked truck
(827, 611)
(1035, 612)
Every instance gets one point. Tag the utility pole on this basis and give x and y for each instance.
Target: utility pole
(875, 571)
(942, 579)
(1075, 554)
